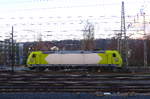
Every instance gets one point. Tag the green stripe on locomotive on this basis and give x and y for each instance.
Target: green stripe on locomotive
(107, 57)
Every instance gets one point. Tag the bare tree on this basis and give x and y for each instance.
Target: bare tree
(88, 37)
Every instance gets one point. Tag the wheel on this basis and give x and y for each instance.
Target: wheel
(31, 68)
(40, 68)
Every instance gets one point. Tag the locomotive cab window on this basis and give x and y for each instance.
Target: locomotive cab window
(34, 55)
(114, 55)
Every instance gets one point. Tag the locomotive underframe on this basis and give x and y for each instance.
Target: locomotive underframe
(89, 67)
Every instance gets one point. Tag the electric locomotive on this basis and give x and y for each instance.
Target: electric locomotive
(54, 60)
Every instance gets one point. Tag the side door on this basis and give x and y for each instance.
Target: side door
(37, 59)
(115, 59)
(33, 59)
(109, 58)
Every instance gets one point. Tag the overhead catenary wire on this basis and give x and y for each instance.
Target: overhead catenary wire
(71, 20)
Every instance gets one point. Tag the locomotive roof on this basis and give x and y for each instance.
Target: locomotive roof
(76, 52)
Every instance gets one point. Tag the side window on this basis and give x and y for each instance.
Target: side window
(114, 55)
(34, 55)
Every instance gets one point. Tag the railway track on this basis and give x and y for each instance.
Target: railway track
(74, 82)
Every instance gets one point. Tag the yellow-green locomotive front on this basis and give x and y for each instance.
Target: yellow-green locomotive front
(113, 57)
(36, 57)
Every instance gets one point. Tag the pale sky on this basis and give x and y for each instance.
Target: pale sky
(65, 19)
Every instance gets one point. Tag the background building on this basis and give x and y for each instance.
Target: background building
(6, 53)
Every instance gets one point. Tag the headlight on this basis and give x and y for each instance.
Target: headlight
(116, 59)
